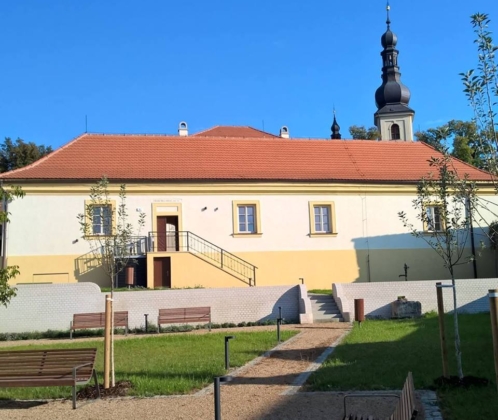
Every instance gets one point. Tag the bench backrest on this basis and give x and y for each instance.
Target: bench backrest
(405, 409)
(47, 364)
(97, 320)
(179, 315)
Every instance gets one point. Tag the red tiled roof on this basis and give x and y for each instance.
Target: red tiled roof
(174, 158)
(234, 131)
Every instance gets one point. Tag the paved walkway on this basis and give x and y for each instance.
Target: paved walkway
(259, 391)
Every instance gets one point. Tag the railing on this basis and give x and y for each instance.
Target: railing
(189, 242)
(136, 246)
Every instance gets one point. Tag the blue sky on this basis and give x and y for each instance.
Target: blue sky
(144, 66)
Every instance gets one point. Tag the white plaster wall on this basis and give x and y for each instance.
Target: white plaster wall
(471, 295)
(48, 225)
(41, 307)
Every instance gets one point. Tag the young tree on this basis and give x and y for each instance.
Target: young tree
(481, 89)
(7, 292)
(444, 205)
(106, 228)
(14, 155)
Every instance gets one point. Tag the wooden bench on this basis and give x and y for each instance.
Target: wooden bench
(97, 320)
(405, 408)
(31, 368)
(184, 316)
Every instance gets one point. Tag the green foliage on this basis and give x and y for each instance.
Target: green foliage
(14, 155)
(7, 292)
(481, 89)
(360, 132)
(321, 291)
(461, 137)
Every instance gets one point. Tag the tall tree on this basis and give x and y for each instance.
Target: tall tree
(459, 138)
(7, 292)
(14, 155)
(110, 235)
(360, 132)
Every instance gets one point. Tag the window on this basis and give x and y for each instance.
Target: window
(395, 135)
(322, 219)
(101, 220)
(246, 218)
(432, 220)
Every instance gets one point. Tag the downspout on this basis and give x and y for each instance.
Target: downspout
(472, 243)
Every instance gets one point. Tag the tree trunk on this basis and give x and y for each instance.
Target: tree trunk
(458, 351)
(113, 380)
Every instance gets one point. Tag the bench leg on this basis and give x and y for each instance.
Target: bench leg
(71, 330)
(96, 383)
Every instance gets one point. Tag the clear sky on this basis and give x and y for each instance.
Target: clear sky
(144, 66)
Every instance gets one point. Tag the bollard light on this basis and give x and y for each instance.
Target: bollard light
(279, 322)
(146, 323)
(227, 350)
(217, 404)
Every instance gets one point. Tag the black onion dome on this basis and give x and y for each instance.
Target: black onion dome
(389, 39)
(392, 92)
(336, 134)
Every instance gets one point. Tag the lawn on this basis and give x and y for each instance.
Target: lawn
(379, 354)
(163, 365)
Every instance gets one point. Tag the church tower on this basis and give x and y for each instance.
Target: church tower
(393, 118)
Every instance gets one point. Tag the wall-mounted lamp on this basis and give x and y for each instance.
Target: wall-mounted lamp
(76, 240)
(216, 209)
(204, 209)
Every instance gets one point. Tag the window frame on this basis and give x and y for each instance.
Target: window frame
(332, 218)
(236, 204)
(398, 128)
(89, 219)
(425, 220)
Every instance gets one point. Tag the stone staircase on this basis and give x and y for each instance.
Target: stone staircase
(324, 308)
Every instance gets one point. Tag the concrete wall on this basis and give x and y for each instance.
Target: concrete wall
(471, 295)
(40, 307)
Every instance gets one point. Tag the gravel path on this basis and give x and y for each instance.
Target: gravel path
(255, 393)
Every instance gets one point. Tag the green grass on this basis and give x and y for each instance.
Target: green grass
(379, 354)
(165, 365)
(321, 291)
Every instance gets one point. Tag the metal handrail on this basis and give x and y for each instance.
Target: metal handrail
(221, 262)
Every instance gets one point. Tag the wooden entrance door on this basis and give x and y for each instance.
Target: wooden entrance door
(167, 236)
(162, 272)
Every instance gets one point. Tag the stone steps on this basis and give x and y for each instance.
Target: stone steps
(324, 308)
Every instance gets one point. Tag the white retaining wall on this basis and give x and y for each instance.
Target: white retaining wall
(40, 307)
(471, 295)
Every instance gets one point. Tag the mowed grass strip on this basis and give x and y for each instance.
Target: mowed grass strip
(164, 365)
(379, 354)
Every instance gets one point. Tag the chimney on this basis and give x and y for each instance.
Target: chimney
(183, 129)
(284, 132)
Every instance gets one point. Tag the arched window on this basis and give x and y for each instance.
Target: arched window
(395, 132)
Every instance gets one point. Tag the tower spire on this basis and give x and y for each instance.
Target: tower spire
(393, 118)
(388, 21)
(336, 135)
